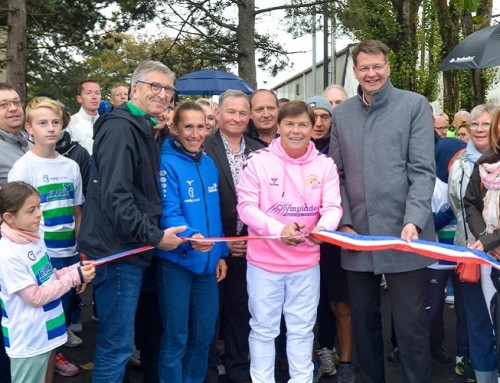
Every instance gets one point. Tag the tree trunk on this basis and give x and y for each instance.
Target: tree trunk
(449, 28)
(16, 46)
(405, 44)
(246, 42)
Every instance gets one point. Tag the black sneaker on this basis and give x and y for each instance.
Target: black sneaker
(393, 356)
(464, 368)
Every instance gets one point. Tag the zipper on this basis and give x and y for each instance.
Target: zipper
(206, 212)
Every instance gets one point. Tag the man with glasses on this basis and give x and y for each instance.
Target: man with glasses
(13, 144)
(383, 146)
(440, 126)
(13, 140)
(122, 213)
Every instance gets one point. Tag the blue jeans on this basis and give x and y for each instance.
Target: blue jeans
(117, 287)
(189, 305)
(59, 263)
(479, 327)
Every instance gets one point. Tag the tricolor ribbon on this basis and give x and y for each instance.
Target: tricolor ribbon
(355, 242)
(122, 254)
(429, 249)
(236, 239)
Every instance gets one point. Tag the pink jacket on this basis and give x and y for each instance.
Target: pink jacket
(275, 190)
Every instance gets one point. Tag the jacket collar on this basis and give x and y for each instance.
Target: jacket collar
(379, 98)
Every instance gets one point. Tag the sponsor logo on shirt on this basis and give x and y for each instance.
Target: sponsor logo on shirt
(274, 181)
(213, 188)
(31, 256)
(289, 209)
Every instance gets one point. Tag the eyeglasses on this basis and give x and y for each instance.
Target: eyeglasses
(474, 125)
(6, 104)
(440, 127)
(323, 117)
(462, 134)
(156, 88)
(376, 67)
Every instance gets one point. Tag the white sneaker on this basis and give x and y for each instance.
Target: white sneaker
(450, 299)
(73, 340)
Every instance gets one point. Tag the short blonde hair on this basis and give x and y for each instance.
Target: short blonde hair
(43, 102)
(206, 102)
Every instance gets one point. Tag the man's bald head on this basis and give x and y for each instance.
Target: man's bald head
(460, 118)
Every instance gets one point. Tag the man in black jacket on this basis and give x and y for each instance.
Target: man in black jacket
(228, 147)
(122, 213)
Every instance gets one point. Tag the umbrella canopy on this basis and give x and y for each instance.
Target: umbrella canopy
(479, 50)
(210, 82)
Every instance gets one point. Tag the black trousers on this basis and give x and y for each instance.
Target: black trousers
(236, 322)
(407, 294)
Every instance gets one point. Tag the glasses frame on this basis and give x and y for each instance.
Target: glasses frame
(475, 125)
(156, 88)
(4, 105)
(375, 67)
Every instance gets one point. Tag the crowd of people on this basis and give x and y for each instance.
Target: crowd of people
(167, 180)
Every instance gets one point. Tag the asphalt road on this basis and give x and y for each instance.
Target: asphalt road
(83, 356)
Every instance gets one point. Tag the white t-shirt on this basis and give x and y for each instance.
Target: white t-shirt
(81, 129)
(59, 183)
(28, 331)
(441, 202)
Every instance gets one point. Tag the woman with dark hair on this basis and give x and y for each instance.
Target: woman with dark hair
(187, 276)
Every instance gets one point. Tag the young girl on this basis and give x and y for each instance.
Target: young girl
(33, 322)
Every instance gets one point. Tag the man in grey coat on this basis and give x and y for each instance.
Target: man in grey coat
(382, 142)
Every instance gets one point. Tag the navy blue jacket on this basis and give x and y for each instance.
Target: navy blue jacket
(189, 188)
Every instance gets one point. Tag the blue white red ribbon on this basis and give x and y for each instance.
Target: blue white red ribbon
(426, 248)
(122, 254)
(356, 242)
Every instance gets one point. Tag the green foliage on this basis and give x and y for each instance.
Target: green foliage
(429, 43)
(370, 19)
(61, 32)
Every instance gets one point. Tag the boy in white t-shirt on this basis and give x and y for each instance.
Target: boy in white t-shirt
(59, 183)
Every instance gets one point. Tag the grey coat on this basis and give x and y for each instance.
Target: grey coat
(385, 158)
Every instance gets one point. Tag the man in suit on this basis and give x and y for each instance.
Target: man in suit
(382, 143)
(228, 147)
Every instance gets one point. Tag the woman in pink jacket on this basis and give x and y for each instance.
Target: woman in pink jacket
(288, 189)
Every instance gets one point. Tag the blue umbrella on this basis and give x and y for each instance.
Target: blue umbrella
(210, 82)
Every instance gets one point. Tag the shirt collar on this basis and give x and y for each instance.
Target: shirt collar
(228, 147)
(136, 111)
